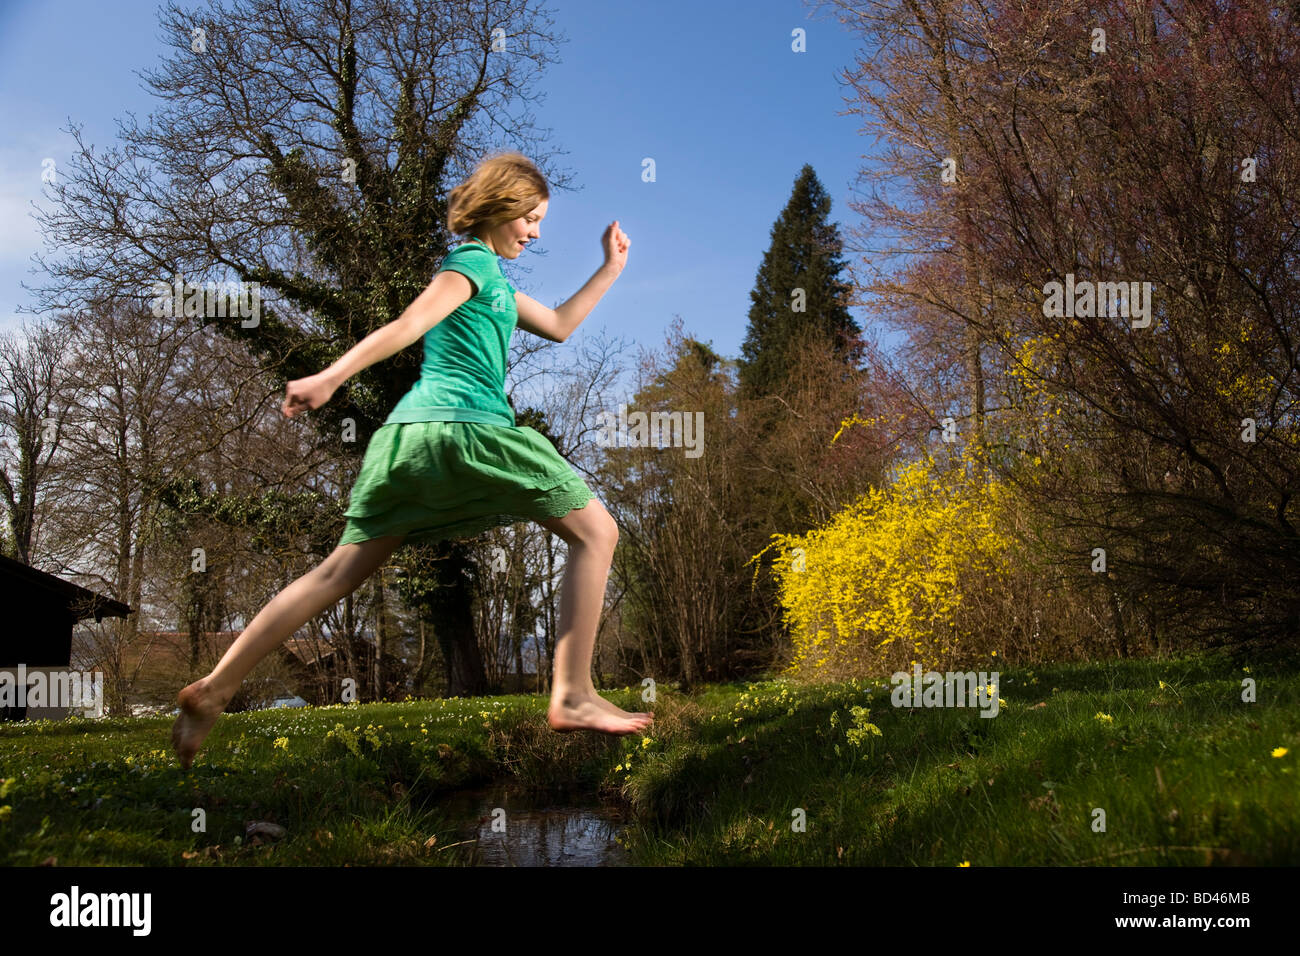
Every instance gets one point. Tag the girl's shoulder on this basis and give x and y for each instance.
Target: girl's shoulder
(470, 245)
(479, 263)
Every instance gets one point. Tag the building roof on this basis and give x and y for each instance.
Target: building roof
(80, 601)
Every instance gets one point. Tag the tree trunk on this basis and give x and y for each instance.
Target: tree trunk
(1121, 639)
(381, 626)
(937, 36)
(344, 646)
(455, 626)
(425, 668)
(519, 660)
(549, 636)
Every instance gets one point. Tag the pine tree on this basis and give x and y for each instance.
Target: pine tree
(798, 291)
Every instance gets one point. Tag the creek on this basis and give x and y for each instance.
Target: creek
(537, 828)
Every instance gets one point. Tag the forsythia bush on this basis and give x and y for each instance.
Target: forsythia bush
(887, 581)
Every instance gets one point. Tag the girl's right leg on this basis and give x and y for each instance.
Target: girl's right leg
(202, 702)
(591, 534)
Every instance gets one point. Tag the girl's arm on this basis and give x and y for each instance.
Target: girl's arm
(447, 292)
(570, 314)
(559, 323)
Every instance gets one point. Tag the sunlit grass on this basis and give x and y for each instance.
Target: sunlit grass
(757, 772)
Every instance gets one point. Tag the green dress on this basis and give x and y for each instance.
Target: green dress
(449, 462)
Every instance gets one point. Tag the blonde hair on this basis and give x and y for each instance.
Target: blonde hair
(502, 187)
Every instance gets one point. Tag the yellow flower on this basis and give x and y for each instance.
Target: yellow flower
(1163, 685)
(964, 863)
(645, 742)
(1280, 752)
(1104, 718)
(619, 767)
(282, 743)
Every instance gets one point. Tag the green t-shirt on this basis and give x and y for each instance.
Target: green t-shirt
(463, 376)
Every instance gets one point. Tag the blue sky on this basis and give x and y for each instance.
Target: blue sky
(711, 90)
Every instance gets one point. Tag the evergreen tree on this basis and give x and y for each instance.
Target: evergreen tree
(798, 291)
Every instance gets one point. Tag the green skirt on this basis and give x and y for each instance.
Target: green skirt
(434, 481)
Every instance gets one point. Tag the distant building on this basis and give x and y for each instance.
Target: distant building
(162, 662)
(36, 635)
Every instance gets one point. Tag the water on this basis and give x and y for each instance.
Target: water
(541, 829)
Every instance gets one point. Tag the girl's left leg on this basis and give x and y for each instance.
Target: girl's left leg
(202, 702)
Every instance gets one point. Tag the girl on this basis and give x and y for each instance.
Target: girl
(449, 461)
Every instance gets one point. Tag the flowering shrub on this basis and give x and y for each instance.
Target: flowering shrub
(887, 582)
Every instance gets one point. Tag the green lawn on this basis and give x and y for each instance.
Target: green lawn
(756, 773)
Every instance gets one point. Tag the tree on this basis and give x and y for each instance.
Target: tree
(303, 149)
(693, 511)
(798, 381)
(33, 413)
(1157, 421)
(671, 491)
(797, 289)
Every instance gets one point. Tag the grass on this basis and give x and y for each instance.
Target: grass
(757, 773)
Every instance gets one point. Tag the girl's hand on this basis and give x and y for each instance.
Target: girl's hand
(306, 393)
(616, 243)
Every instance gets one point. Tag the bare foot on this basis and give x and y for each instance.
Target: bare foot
(586, 713)
(611, 707)
(201, 705)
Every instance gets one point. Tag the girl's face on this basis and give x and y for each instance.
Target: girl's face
(510, 239)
